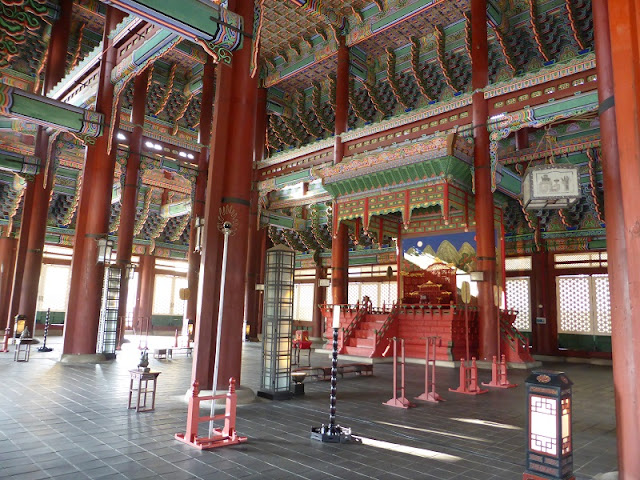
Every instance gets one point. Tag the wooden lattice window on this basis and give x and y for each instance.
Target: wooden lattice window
(584, 306)
(519, 298)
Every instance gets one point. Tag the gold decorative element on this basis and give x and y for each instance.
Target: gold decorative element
(228, 219)
(543, 378)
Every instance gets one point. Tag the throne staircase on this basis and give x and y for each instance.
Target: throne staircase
(366, 334)
(513, 344)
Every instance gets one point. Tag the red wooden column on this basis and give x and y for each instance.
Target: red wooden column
(545, 336)
(83, 311)
(21, 253)
(340, 244)
(144, 297)
(228, 193)
(40, 189)
(617, 53)
(399, 265)
(197, 209)
(254, 245)
(129, 195)
(319, 297)
(263, 244)
(8, 249)
(485, 236)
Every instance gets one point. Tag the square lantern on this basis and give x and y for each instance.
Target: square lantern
(550, 186)
(549, 431)
(105, 248)
(277, 323)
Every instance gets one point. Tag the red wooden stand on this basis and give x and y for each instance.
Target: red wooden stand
(499, 375)
(430, 396)
(219, 438)
(5, 341)
(401, 401)
(468, 379)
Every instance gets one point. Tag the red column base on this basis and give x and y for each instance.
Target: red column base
(533, 476)
(399, 402)
(432, 397)
(468, 379)
(499, 375)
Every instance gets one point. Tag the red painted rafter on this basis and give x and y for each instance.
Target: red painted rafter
(505, 51)
(573, 23)
(536, 33)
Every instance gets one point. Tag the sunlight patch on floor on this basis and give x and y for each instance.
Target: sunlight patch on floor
(487, 423)
(415, 451)
(437, 432)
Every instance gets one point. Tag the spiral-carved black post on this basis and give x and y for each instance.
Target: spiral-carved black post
(334, 381)
(44, 347)
(333, 433)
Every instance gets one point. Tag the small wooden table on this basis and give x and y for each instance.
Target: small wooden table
(139, 384)
(23, 350)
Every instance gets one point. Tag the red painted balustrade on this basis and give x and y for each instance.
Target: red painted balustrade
(367, 333)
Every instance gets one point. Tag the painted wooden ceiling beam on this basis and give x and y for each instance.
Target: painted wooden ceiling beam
(218, 30)
(50, 113)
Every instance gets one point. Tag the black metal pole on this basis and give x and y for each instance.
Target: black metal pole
(44, 347)
(333, 433)
(334, 382)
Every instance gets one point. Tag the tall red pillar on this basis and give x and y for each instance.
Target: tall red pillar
(8, 249)
(40, 188)
(197, 209)
(618, 53)
(544, 335)
(399, 265)
(228, 193)
(144, 297)
(21, 253)
(485, 226)
(129, 196)
(340, 244)
(253, 245)
(319, 297)
(263, 244)
(83, 311)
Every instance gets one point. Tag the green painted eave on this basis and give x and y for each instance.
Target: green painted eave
(368, 256)
(444, 167)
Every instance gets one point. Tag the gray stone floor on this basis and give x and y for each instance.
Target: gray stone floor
(72, 422)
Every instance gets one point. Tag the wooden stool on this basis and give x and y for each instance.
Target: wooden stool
(139, 383)
(23, 350)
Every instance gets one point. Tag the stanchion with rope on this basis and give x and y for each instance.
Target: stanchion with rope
(498, 370)
(468, 373)
(401, 401)
(430, 360)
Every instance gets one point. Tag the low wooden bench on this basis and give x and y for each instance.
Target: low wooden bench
(161, 353)
(186, 350)
(324, 373)
(357, 368)
(168, 352)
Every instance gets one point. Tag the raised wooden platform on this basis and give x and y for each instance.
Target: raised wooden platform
(324, 373)
(367, 334)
